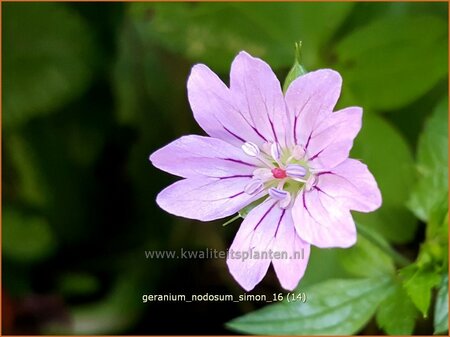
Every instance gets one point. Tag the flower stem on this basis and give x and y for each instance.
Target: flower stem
(231, 220)
(398, 258)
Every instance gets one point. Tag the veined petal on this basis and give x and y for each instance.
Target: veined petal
(352, 185)
(330, 142)
(323, 222)
(290, 269)
(197, 156)
(214, 109)
(258, 94)
(256, 234)
(206, 199)
(310, 98)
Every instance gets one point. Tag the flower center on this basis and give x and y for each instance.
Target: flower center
(279, 173)
(283, 173)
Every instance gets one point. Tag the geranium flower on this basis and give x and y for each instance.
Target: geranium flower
(291, 152)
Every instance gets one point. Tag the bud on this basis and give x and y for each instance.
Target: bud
(297, 69)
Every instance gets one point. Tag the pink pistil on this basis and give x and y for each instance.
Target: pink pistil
(279, 173)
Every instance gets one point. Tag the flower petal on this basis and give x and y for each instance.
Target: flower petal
(310, 98)
(214, 109)
(352, 185)
(329, 144)
(291, 269)
(323, 222)
(197, 156)
(258, 94)
(206, 199)
(255, 236)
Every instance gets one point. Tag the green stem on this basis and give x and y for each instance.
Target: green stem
(399, 259)
(231, 220)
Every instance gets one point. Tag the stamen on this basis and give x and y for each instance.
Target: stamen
(275, 151)
(277, 194)
(250, 149)
(283, 197)
(266, 147)
(298, 152)
(265, 161)
(254, 186)
(285, 202)
(281, 184)
(296, 171)
(264, 174)
(311, 182)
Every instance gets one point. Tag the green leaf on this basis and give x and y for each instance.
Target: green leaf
(418, 284)
(441, 308)
(386, 153)
(203, 32)
(432, 164)
(397, 314)
(434, 251)
(26, 238)
(323, 264)
(393, 61)
(366, 260)
(47, 60)
(334, 307)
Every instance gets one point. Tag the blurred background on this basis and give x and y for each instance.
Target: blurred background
(91, 89)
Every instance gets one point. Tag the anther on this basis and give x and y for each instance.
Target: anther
(296, 171)
(254, 186)
(283, 197)
(275, 151)
(250, 149)
(278, 194)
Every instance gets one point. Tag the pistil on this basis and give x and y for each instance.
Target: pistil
(279, 173)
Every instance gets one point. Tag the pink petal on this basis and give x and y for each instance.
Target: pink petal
(291, 269)
(352, 185)
(259, 96)
(323, 222)
(256, 234)
(215, 110)
(197, 156)
(310, 98)
(330, 142)
(206, 199)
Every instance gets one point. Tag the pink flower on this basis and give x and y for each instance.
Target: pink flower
(289, 151)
